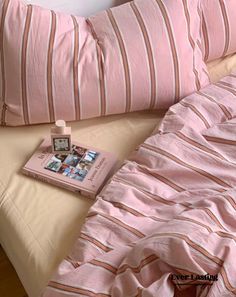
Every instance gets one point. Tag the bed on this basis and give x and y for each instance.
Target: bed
(36, 218)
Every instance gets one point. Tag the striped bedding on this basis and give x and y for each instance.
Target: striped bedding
(142, 55)
(218, 28)
(169, 211)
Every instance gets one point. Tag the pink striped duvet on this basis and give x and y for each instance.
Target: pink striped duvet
(166, 221)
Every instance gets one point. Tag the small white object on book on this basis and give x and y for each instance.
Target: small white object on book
(61, 138)
(60, 126)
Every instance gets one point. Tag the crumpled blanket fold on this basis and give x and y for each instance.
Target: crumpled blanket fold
(166, 221)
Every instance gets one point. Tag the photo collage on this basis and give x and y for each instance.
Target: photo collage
(75, 165)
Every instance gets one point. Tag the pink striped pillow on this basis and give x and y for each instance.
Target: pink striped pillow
(141, 55)
(219, 28)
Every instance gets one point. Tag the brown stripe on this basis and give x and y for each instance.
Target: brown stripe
(226, 235)
(205, 37)
(3, 95)
(195, 246)
(199, 43)
(75, 68)
(118, 222)
(198, 145)
(227, 29)
(162, 179)
(207, 74)
(72, 262)
(49, 67)
(220, 140)
(197, 112)
(221, 106)
(221, 86)
(227, 86)
(151, 196)
(230, 200)
(100, 69)
(227, 284)
(125, 207)
(232, 75)
(95, 242)
(212, 216)
(138, 268)
(191, 167)
(149, 53)
(104, 265)
(24, 63)
(125, 226)
(194, 222)
(173, 49)
(76, 290)
(192, 43)
(124, 58)
(101, 79)
(133, 211)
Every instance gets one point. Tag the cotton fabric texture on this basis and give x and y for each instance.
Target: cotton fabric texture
(142, 55)
(218, 28)
(25, 233)
(170, 209)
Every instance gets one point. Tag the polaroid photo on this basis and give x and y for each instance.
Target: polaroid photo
(90, 156)
(83, 164)
(54, 164)
(72, 172)
(62, 144)
(72, 160)
(80, 151)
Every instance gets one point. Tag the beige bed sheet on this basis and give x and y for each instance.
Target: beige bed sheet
(221, 67)
(39, 222)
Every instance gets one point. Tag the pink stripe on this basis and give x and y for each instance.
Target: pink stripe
(37, 88)
(124, 58)
(90, 103)
(15, 18)
(226, 25)
(100, 70)
(63, 84)
(149, 54)
(115, 90)
(173, 48)
(179, 161)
